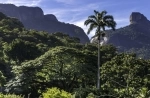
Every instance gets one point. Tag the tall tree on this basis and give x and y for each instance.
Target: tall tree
(99, 21)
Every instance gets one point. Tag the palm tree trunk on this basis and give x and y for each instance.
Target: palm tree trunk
(98, 65)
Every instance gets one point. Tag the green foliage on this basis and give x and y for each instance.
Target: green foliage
(63, 67)
(66, 38)
(56, 93)
(32, 61)
(124, 75)
(144, 92)
(5, 69)
(10, 96)
(2, 79)
(9, 24)
(20, 50)
(2, 16)
(90, 95)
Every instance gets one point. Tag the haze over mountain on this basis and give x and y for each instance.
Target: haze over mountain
(33, 18)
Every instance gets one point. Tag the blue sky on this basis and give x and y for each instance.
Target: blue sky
(77, 11)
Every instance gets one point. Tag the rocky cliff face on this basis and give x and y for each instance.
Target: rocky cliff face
(33, 18)
(137, 17)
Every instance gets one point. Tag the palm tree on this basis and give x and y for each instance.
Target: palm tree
(99, 21)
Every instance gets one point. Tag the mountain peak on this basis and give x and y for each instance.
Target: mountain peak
(137, 17)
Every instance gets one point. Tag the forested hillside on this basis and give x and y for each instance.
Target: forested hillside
(38, 64)
(34, 18)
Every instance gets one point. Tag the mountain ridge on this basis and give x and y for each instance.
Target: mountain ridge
(34, 18)
(134, 36)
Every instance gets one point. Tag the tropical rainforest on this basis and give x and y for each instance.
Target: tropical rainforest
(36, 64)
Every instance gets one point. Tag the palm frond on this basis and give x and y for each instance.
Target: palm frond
(92, 26)
(108, 18)
(111, 24)
(89, 21)
(96, 12)
(109, 21)
(93, 17)
(99, 21)
(102, 14)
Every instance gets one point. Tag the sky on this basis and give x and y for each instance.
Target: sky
(77, 11)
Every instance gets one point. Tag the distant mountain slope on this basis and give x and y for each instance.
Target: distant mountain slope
(33, 18)
(134, 37)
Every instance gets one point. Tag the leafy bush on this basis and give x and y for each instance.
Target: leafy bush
(56, 93)
(10, 96)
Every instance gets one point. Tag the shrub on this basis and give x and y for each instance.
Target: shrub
(56, 93)
(10, 96)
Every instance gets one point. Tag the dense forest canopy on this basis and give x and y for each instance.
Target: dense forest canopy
(36, 63)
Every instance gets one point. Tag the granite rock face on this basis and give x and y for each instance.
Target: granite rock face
(137, 17)
(34, 18)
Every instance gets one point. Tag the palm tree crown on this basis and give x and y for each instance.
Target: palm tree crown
(99, 21)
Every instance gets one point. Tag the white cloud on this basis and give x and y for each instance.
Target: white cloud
(73, 13)
(80, 23)
(122, 22)
(65, 1)
(58, 12)
(22, 2)
(93, 5)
